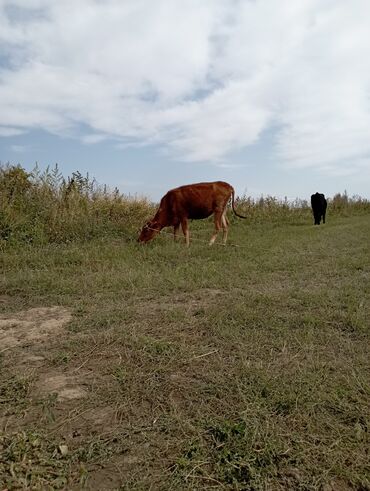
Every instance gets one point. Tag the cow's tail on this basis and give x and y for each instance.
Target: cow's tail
(232, 204)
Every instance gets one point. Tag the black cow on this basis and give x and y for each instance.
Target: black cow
(318, 204)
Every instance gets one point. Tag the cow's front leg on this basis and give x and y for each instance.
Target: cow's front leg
(176, 229)
(185, 229)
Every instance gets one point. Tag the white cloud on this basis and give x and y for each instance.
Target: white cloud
(19, 148)
(200, 78)
(93, 138)
(8, 131)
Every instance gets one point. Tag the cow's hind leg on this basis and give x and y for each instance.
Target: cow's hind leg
(218, 225)
(185, 229)
(225, 226)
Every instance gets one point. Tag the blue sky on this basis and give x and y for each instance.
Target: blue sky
(272, 96)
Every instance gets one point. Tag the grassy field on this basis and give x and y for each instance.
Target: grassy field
(242, 367)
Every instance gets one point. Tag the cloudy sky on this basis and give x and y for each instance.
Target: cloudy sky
(272, 96)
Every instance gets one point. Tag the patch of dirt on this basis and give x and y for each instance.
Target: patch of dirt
(32, 326)
(66, 387)
(337, 485)
(100, 416)
(33, 360)
(26, 337)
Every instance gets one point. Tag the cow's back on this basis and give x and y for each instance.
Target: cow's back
(318, 200)
(200, 200)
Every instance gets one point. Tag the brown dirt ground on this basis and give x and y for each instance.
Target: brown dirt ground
(25, 338)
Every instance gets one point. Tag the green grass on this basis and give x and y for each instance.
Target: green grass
(242, 367)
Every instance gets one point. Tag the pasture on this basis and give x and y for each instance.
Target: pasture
(243, 367)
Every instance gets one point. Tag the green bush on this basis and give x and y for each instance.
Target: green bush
(41, 207)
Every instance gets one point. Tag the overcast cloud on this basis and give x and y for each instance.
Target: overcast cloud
(201, 78)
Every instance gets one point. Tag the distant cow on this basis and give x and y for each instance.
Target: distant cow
(193, 201)
(318, 204)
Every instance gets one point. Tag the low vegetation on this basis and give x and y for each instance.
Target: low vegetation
(243, 367)
(43, 207)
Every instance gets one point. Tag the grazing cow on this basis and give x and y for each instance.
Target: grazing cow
(193, 201)
(318, 204)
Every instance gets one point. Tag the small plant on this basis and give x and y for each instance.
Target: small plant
(14, 391)
(61, 358)
(28, 460)
(119, 373)
(47, 407)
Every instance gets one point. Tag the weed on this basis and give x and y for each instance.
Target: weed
(48, 405)
(14, 391)
(120, 374)
(28, 460)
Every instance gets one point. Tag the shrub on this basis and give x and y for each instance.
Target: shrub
(41, 207)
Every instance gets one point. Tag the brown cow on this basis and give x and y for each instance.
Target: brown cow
(193, 201)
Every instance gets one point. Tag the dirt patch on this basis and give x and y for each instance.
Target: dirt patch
(26, 337)
(66, 387)
(32, 326)
(34, 360)
(337, 485)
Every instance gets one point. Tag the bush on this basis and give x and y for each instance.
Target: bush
(41, 207)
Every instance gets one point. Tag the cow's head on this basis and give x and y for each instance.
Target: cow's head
(149, 231)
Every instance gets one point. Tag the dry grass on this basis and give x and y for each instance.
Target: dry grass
(39, 208)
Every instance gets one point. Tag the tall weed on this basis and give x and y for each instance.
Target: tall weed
(40, 207)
